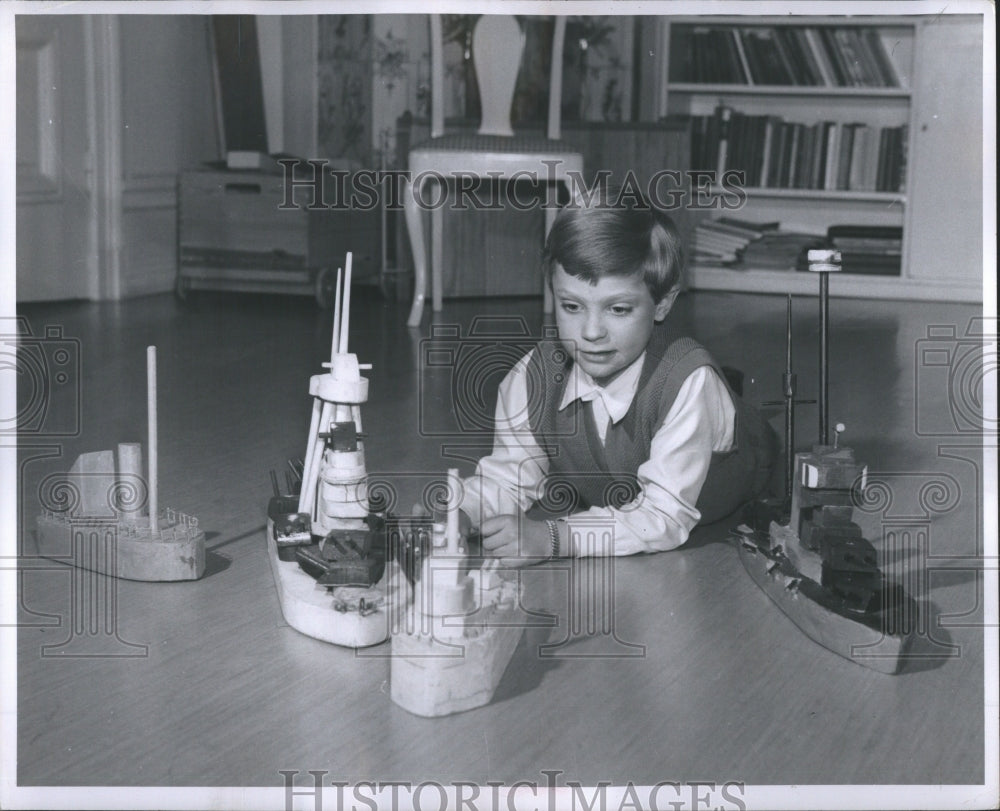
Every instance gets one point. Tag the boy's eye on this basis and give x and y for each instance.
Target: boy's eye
(621, 309)
(570, 306)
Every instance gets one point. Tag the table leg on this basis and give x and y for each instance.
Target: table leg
(415, 231)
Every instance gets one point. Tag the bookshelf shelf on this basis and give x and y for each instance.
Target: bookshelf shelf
(885, 198)
(821, 91)
(838, 122)
(830, 195)
(847, 285)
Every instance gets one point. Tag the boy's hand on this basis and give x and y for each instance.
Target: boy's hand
(501, 539)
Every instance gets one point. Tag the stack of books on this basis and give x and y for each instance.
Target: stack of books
(779, 154)
(821, 56)
(724, 241)
(780, 250)
(868, 249)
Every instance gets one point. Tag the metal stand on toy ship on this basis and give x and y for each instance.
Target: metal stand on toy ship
(459, 632)
(95, 516)
(806, 552)
(327, 551)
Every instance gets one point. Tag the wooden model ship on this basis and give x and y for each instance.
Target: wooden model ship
(807, 553)
(104, 515)
(460, 630)
(328, 551)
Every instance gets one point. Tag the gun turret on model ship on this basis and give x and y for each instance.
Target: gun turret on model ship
(106, 518)
(327, 550)
(806, 552)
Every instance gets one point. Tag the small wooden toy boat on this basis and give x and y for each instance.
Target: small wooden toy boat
(460, 630)
(104, 516)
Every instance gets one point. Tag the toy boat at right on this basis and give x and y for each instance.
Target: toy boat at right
(806, 552)
(821, 572)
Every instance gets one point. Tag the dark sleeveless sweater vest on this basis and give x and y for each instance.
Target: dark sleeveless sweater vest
(583, 473)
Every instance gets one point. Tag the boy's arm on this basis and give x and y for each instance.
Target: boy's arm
(507, 481)
(701, 421)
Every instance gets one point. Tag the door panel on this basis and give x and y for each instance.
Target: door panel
(55, 210)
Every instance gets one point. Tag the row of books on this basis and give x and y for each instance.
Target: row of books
(779, 154)
(737, 244)
(820, 56)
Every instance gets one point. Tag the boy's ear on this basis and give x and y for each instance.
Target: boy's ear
(664, 304)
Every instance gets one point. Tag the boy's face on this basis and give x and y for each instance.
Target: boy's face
(606, 325)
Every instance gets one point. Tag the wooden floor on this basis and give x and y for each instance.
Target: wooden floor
(691, 674)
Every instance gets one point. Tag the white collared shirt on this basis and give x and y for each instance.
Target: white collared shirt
(700, 421)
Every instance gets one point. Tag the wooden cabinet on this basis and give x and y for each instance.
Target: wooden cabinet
(936, 99)
(237, 233)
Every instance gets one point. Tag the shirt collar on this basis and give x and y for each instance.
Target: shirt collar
(617, 396)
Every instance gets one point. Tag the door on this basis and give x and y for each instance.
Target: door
(56, 256)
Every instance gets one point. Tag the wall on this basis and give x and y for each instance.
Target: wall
(168, 124)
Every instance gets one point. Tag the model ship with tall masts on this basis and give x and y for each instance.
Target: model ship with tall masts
(806, 552)
(460, 630)
(104, 515)
(328, 550)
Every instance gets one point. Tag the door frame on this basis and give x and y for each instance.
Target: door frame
(104, 90)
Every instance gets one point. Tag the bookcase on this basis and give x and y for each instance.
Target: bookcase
(837, 122)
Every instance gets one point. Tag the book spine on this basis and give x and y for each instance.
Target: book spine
(882, 175)
(885, 64)
(819, 55)
(757, 66)
(904, 150)
(794, 73)
(869, 67)
(741, 54)
(859, 156)
(798, 36)
(722, 43)
(680, 54)
(839, 179)
(724, 116)
(835, 56)
(849, 60)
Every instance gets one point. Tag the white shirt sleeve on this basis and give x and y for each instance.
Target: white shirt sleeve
(509, 480)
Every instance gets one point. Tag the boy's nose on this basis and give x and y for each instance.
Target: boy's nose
(593, 328)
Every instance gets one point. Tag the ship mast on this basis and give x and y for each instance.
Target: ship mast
(824, 262)
(789, 385)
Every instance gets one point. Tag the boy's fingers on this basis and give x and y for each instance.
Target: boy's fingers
(492, 525)
(493, 543)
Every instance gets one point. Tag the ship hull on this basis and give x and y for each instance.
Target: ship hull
(313, 610)
(123, 549)
(865, 641)
(431, 679)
